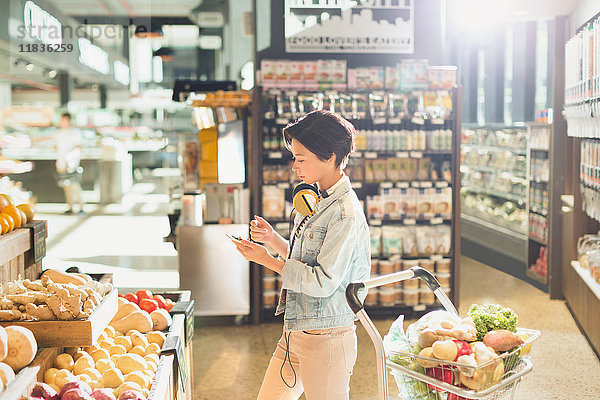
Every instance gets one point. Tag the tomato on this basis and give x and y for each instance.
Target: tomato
(443, 373)
(144, 294)
(121, 295)
(148, 305)
(160, 300)
(169, 305)
(132, 297)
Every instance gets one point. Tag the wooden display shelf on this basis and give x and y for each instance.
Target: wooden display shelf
(73, 333)
(21, 252)
(166, 382)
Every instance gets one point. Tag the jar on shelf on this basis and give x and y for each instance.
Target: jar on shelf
(442, 265)
(374, 266)
(372, 298)
(426, 296)
(269, 283)
(443, 278)
(427, 264)
(386, 267)
(387, 296)
(269, 299)
(410, 297)
(397, 261)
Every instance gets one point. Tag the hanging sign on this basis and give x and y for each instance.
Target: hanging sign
(93, 56)
(40, 24)
(349, 26)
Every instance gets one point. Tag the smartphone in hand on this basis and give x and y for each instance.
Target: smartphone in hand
(233, 238)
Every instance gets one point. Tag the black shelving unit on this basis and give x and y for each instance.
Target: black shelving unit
(274, 156)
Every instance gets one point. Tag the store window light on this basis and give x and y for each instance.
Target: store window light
(157, 69)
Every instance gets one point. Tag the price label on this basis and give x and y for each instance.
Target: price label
(420, 307)
(418, 120)
(356, 154)
(283, 185)
(436, 257)
(415, 184)
(402, 185)
(441, 184)
(282, 121)
(436, 221)
(402, 154)
(379, 121)
(409, 221)
(426, 184)
(357, 185)
(375, 222)
(416, 154)
(275, 155)
(387, 185)
(370, 154)
(437, 121)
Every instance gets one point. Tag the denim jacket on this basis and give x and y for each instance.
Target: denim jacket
(333, 250)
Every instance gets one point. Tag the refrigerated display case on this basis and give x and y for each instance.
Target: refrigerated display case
(494, 194)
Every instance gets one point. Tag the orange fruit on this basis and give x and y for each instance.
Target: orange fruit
(24, 219)
(4, 226)
(9, 221)
(28, 210)
(7, 198)
(14, 213)
(3, 202)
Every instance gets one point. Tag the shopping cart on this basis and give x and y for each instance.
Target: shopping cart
(496, 379)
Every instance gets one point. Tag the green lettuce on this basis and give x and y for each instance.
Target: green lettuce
(489, 317)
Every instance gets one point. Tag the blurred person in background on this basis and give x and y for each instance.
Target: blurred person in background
(68, 141)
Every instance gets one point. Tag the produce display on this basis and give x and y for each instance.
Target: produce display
(17, 349)
(118, 366)
(471, 353)
(15, 207)
(56, 295)
(143, 311)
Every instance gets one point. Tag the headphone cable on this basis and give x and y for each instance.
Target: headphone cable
(289, 360)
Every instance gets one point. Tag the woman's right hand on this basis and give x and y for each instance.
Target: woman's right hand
(260, 230)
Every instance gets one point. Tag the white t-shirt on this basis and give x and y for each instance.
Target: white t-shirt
(67, 140)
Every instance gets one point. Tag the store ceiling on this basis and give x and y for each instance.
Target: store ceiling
(129, 8)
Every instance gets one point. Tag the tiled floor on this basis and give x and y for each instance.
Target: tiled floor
(230, 360)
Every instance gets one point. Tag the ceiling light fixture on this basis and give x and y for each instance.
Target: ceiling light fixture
(52, 74)
(29, 67)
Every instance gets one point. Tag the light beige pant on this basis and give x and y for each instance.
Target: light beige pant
(322, 361)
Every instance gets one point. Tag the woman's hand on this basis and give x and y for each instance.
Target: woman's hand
(257, 253)
(253, 251)
(260, 230)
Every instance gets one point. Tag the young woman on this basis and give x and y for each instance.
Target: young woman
(327, 250)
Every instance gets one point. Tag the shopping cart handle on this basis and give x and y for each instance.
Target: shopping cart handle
(414, 272)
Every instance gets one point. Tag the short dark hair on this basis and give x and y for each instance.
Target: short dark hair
(324, 134)
(65, 115)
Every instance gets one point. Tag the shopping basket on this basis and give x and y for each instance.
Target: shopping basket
(494, 380)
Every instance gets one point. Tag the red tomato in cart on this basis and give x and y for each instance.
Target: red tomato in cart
(132, 297)
(144, 294)
(148, 305)
(452, 396)
(444, 374)
(169, 305)
(121, 295)
(160, 300)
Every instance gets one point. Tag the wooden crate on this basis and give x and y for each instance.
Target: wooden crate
(21, 252)
(165, 385)
(73, 333)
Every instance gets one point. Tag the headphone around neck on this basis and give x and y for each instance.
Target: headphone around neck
(305, 198)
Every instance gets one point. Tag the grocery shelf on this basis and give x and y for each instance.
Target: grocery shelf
(491, 192)
(537, 277)
(538, 240)
(537, 211)
(517, 151)
(520, 174)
